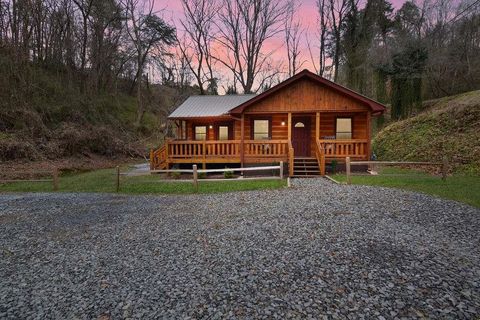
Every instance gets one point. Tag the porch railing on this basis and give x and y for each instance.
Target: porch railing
(176, 151)
(226, 149)
(266, 148)
(200, 149)
(354, 148)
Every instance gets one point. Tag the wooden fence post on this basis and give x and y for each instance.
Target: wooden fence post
(118, 179)
(347, 165)
(281, 169)
(55, 179)
(444, 168)
(195, 178)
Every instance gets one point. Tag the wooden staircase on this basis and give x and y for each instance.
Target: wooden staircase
(158, 159)
(305, 167)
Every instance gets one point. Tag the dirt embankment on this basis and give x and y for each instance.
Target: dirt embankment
(448, 126)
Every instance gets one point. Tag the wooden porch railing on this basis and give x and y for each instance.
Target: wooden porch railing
(176, 151)
(203, 149)
(266, 148)
(355, 148)
(218, 151)
(226, 148)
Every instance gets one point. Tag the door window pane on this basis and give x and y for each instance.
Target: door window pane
(201, 133)
(299, 125)
(344, 128)
(223, 133)
(261, 129)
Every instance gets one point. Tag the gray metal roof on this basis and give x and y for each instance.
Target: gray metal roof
(209, 106)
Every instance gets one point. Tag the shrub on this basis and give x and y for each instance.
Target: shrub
(228, 174)
(334, 165)
(14, 148)
(202, 175)
(176, 175)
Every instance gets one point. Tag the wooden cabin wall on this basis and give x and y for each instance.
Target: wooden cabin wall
(279, 132)
(191, 132)
(359, 124)
(307, 96)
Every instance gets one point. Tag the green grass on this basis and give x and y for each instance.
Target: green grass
(463, 188)
(105, 181)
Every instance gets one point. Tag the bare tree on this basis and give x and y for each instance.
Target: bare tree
(330, 20)
(293, 35)
(85, 7)
(244, 27)
(322, 32)
(197, 40)
(338, 13)
(146, 32)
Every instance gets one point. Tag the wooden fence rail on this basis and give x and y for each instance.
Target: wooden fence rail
(54, 180)
(195, 171)
(348, 164)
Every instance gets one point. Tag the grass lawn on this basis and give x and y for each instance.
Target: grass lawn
(105, 181)
(461, 188)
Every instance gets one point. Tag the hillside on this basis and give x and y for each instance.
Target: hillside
(47, 119)
(449, 126)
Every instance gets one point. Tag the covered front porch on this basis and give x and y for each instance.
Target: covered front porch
(267, 138)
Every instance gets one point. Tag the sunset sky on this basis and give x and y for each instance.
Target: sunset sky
(173, 11)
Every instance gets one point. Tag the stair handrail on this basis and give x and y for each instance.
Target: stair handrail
(290, 158)
(319, 152)
(158, 156)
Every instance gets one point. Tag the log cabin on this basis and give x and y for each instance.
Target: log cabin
(305, 121)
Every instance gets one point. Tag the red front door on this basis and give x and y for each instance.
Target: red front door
(301, 136)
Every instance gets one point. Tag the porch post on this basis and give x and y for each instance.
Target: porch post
(369, 136)
(317, 127)
(242, 142)
(179, 129)
(290, 126)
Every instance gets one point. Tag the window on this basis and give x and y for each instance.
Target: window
(261, 129)
(344, 128)
(223, 132)
(299, 125)
(200, 132)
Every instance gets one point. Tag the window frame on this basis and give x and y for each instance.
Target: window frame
(351, 127)
(252, 127)
(195, 126)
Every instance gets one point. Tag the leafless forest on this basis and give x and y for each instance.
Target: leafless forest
(80, 50)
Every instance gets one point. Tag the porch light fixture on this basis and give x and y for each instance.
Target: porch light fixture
(211, 127)
(283, 123)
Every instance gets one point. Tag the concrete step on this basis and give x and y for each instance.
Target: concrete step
(306, 176)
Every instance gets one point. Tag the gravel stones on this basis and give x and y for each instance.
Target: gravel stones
(316, 250)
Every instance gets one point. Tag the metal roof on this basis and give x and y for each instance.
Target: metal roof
(209, 106)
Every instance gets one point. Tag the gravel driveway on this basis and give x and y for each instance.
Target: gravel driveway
(315, 250)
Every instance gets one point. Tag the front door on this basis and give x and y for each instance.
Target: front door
(301, 136)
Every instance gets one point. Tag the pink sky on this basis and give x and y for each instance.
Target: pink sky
(173, 11)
